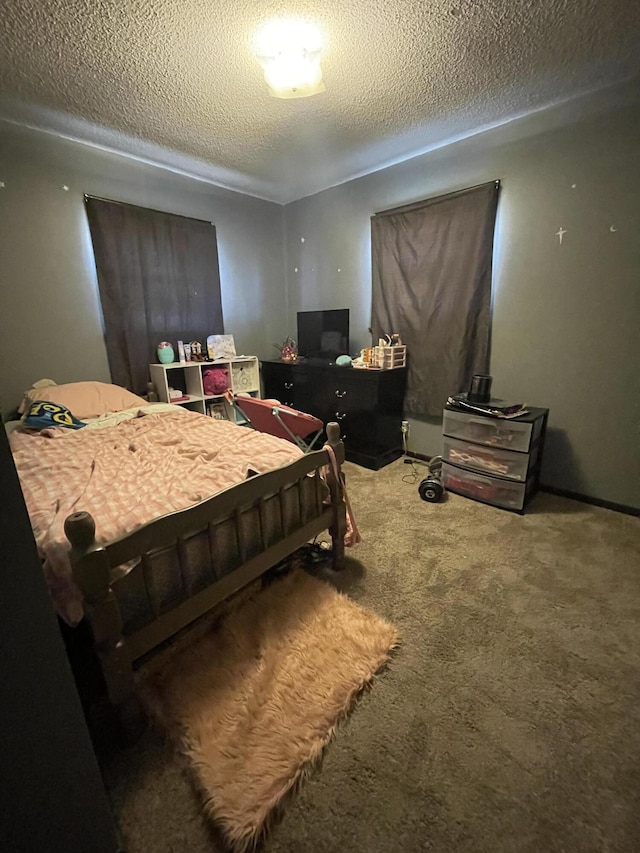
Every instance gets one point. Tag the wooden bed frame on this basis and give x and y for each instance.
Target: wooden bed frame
(210, 550)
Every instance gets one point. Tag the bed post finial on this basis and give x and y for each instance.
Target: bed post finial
(92, 574)
(89, 562)
(333, 434)
(80, 530)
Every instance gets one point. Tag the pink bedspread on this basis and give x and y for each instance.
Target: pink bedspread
(128, 474)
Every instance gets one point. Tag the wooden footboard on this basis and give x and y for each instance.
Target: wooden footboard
(191, 560)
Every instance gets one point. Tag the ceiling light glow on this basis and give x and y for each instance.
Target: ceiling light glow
(289, 52)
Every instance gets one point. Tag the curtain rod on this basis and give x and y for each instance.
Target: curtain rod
(87, 196)
(405, 208)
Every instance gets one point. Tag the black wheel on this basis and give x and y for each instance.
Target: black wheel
(430, 490)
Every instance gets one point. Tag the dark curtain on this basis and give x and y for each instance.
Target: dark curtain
(159, 280)
(431, 266)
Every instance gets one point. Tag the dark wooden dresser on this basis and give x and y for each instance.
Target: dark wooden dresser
(366, 403)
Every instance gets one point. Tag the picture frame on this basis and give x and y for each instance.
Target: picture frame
(217, 410)
(221, 347)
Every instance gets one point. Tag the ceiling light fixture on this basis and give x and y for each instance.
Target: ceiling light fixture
(289, 52)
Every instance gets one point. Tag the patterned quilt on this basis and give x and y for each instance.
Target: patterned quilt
(128, 474)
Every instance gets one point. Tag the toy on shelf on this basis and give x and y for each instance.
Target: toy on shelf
(165, 352)
(196, 351)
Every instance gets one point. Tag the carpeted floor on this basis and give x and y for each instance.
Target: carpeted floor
(509, 720)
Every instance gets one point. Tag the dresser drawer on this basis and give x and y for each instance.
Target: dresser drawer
(490, 460)
(367, 404)
(491, 490)
(493, 432)
(291, 387)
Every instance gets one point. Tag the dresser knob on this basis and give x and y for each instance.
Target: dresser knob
(341, 393)
(340, 416)
(288, 385)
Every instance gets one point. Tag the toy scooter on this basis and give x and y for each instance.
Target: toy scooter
(431, 488)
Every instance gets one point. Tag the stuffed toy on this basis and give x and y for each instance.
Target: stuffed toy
(215, 380)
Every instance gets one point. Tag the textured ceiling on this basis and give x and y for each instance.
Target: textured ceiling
(175, 81)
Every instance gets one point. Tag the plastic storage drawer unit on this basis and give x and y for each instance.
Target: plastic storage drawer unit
(494, 432)
(494, 460)
(491, 490)
(489, 460)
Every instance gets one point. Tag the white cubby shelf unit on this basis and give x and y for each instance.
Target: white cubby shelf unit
(244, 377)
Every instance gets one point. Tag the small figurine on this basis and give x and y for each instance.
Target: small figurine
(196, 351)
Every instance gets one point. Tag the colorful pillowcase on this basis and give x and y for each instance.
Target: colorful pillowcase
(43, 414)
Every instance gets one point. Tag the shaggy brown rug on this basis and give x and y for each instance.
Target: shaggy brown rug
(254, 702)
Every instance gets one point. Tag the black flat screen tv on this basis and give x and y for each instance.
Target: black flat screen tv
(323, 334)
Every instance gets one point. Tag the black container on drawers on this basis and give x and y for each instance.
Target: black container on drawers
(366, 403)
(494, 460)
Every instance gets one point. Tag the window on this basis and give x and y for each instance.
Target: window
(159, 280)
(431, 265)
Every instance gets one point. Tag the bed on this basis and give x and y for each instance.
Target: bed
(148, 517)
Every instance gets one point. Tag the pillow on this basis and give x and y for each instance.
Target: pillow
(25, 402)
(87, 399)
(41, 415)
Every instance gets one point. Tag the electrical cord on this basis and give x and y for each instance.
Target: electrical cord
(412, 476)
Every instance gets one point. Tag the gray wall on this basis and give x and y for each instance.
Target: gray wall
(50, 320)
(566, 319)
